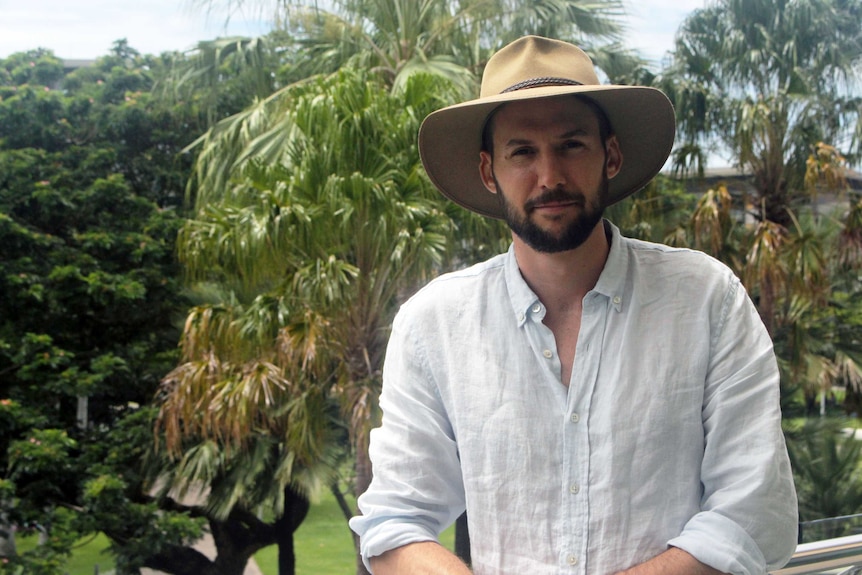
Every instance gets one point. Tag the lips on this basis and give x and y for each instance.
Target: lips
(554, 199)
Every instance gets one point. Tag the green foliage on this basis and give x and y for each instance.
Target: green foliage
(38, 67)
(396, 39)
(825, 461)
(314, 218)
(658, 213)
(767, 80)
(807, 292)
(91, 186)
(57, 536)
(40, 466)
(219, 77)
(138, 530)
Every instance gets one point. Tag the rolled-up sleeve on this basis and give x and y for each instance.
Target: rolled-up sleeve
(748, 519)
(417, 489)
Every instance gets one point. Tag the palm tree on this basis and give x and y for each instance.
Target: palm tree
(313, 247)
(220, 77)
(825, 461)
(803, 279)
(271, 183)
(766, 80)
(450, 39)
(769, 81)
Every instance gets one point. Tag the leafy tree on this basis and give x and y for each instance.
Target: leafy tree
(222, 76)
(765, 80)
(807, 294)
(451, 40)
(89, 291)
(769, 81)
(312, 253)
(825, 461)
(394, 41)
(36, 67)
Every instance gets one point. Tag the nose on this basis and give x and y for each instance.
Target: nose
(550, 172)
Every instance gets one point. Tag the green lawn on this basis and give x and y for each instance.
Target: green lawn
(93, 552)
(90, 552)
(323, 546)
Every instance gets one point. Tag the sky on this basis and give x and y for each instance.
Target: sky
(86, 29)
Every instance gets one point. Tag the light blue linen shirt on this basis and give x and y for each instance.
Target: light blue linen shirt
(668, 433)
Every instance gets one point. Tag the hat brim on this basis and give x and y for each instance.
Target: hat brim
(450, 140)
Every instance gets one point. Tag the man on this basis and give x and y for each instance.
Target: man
(598, 404)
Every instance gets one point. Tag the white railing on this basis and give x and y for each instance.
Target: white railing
(842, 555)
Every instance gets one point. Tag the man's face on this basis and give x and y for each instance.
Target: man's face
(550, 170)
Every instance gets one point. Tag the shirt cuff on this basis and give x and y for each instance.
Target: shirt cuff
(720, 543)
(375, 540)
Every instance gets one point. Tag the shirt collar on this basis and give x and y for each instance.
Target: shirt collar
(610, 284)
(520, 294)
(612, 281)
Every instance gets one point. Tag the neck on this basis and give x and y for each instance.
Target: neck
(563, 279)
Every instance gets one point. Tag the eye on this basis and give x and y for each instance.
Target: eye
(521, 152)
(572, 144)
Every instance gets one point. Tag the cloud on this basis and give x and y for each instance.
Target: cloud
(652, 25)
(88, 28)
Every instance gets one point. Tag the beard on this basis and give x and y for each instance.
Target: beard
(572, 236)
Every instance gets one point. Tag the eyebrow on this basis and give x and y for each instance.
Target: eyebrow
(523, 142)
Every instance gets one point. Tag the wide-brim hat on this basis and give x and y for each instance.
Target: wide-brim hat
(532, 67)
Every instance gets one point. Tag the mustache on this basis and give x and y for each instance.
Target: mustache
(554, 196)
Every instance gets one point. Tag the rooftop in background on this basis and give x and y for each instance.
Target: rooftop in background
(740, 185)
(738, 179)
(69, 65)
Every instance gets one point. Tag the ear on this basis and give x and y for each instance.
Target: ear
(613, 156)
(486, 172)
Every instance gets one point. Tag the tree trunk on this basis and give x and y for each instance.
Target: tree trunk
(360, 566)
(232, 552)
(340, 499)
(7, 533)
(363, 480)
(767, 304)
(774, 197)
(462, 539)
(363, 465)
(185, 561)
(296, 507)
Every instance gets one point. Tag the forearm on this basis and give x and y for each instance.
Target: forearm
(426, 558)
(672, 562)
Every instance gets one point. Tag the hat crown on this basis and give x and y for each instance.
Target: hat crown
(534, 61)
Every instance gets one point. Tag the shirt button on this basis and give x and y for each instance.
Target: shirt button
(537, 308)
(548, 353)
(574, 488)
(617, 300)
(522, 317)
(575, 418)
(572, 560)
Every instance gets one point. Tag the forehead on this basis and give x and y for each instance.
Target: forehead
(562, 113)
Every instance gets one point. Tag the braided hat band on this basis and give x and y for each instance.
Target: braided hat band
(544, 81)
